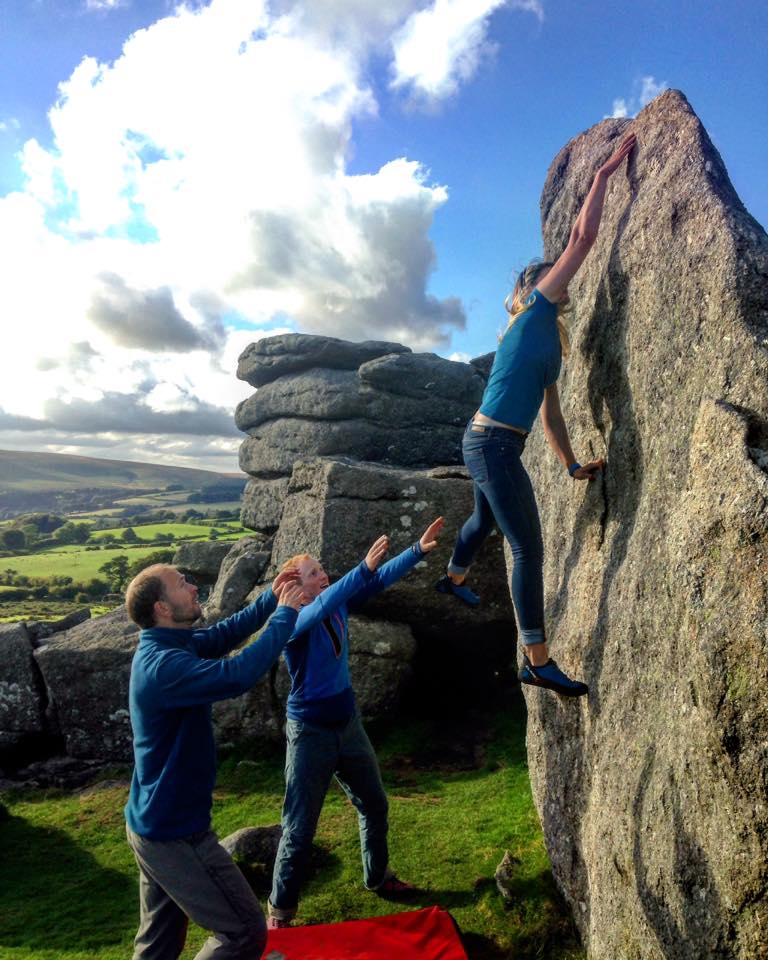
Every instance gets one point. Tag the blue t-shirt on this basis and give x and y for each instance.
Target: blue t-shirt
(527, 361)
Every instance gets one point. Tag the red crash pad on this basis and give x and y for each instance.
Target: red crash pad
(416, 935)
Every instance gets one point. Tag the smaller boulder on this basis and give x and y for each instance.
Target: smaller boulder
(201, 560)
(253, 845)
(242, 567)
(40, 630)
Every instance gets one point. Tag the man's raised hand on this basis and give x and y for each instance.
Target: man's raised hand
(377, 552)
(284, 579)
(428, 539)
(291, 595)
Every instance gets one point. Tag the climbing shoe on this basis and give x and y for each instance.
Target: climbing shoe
(550, 676)
(458, 590)
(275, 923)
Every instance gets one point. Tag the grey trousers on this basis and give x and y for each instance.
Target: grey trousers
(194, 878)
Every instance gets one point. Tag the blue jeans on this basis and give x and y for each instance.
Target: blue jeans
(504, 497)
(314, 755)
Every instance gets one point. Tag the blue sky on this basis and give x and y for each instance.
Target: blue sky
(348, 167)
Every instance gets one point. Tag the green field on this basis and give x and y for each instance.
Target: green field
(82, 564)
(71, 889)
(179, 531)
(74, 561)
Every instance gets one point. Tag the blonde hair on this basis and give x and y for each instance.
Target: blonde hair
(517, 301)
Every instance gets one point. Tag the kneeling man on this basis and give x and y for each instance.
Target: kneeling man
(324, 732)
(176, 675)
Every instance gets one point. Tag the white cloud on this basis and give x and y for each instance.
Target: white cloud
(650, 89)
(196, 196)
(620, 108)
(105, 4)
(441, 47)
(357, 25)
(646, 89)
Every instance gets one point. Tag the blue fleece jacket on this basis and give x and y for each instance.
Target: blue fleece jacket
(321, 692)
(175, 677)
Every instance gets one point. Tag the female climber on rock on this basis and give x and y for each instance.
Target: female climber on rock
(523, 379)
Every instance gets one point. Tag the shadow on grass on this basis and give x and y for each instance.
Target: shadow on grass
(56, 896)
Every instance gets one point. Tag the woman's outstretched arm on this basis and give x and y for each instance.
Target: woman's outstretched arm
(584, 231)
(556, 433)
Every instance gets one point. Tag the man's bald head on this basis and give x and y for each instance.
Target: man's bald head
(144, 591)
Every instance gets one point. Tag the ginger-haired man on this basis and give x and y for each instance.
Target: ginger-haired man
(324, 731)
(178, 671)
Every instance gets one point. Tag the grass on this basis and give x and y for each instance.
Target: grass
(71, 890)
(13, 612)
(179, 531)
(74, 561)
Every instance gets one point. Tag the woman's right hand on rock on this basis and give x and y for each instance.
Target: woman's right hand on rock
(613, 162)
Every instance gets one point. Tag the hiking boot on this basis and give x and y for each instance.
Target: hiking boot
(458, 590)
(549, 675)
(275, 923)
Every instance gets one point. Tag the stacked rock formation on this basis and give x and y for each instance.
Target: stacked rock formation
(349, 440)
(373, 401)
(652, 791)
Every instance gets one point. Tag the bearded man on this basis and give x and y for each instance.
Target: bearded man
(178, 671)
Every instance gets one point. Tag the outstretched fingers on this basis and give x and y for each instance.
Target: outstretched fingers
(428, 539)
(624, 149)
(377, 552)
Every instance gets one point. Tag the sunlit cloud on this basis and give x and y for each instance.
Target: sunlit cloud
(646, 89)
(442, 46)
(178, 214)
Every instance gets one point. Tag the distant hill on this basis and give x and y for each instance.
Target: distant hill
(57, 481)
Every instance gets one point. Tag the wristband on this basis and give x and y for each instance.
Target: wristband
(574, 467)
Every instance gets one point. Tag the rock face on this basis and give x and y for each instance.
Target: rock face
(652, 791)
(243, 566)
